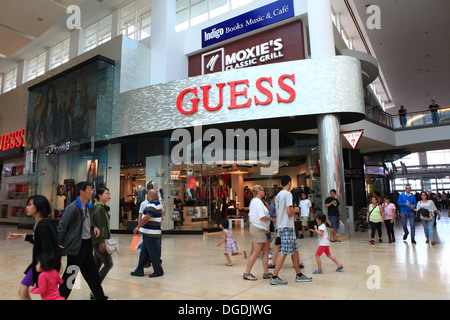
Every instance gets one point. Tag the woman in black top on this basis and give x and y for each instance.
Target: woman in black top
(44, 239)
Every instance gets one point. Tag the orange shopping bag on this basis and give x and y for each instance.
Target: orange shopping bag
(135, 242)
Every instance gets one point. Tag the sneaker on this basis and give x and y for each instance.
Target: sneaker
(339, 269)
(317, 271)
(405, 236)
(371, 241)
(277, 280)
(303, 278)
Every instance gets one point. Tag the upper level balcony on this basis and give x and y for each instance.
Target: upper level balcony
(413, 120)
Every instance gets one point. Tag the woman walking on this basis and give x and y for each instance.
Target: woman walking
(427, 207)
(259, 229)
(375, 219)
(101, 220)
(44, 239)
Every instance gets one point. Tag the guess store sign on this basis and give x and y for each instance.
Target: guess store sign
(305, 87)
(12, 140)
(284, 43)
(270, 89)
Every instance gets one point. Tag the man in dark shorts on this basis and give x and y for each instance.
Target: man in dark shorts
(334, 214)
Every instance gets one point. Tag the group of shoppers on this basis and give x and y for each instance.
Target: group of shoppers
(410, 211)
(81, 231)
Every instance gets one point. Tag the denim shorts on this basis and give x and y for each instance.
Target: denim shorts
(334, 221)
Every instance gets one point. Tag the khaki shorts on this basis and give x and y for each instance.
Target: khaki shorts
(304, 221)
(259, 235)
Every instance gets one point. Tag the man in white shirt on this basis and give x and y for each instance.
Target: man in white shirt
(286, 229)
(305, 210)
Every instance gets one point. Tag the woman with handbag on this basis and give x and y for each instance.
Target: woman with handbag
(426, 209)
(101, 220)
(375, 218)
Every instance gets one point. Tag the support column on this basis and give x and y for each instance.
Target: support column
(162, 40)
(331, 161)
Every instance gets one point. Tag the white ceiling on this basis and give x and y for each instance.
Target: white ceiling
(22, 21)
(412, 48)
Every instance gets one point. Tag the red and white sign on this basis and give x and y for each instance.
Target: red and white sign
(282, 84)
(353, 137)
(12, 140)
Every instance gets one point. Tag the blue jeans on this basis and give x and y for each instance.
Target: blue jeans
(428, 228)
(435, 117)
(405, 217)
(151, 249)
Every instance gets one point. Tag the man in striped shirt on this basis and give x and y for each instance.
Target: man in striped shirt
(150, 229)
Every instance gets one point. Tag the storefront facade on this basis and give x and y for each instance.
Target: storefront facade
(202, 140)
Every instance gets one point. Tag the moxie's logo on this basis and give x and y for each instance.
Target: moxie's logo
(264, 85)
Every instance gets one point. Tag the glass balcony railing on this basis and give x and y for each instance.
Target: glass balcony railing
(411, 120)
(421, 119)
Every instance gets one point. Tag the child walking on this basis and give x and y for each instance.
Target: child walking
(49, 279)
(231, 247)
(324, 244)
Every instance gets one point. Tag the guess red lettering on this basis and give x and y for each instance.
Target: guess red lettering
(12, 140)
(238, 90)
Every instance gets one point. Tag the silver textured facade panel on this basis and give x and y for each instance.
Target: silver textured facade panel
(322, 86)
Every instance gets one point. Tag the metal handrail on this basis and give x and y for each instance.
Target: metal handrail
(411, 120)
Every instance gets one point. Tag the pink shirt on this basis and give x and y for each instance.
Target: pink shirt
(389, 211)
(48, 285)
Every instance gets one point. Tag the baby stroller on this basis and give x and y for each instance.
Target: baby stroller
(360, 223)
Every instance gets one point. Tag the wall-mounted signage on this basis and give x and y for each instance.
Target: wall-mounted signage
(353, 137)
(12, 140)
(249, 21)
(63, 148)
(266, 92)
(280, 44)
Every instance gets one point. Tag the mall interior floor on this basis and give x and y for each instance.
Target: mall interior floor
(195, 269)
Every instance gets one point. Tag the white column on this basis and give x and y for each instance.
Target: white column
(331, 160)
(320, 28)
(113, 184)
(163, 41)
(75, 43)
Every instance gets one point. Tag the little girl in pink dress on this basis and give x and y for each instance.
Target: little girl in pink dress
(231, 246)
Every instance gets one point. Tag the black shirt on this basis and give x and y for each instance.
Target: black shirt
(431, 107)
(333, 210)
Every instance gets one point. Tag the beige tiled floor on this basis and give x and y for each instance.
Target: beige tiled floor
(195, 269)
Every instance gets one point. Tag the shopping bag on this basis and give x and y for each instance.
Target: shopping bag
(136, 243)
(341, 229)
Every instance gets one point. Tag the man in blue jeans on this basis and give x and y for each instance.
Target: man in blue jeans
(407, 203)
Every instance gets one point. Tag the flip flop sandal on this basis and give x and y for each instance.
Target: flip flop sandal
(267, 275)
(247, 275)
